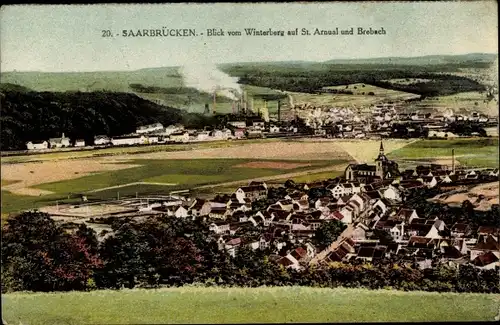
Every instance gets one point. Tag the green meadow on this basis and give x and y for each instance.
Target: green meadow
(161, 176)
(476, 152)
(245, 305)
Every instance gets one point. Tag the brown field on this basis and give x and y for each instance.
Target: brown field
(489, 191)
(35, 173)
(367, 150)
(266, 150)
(29, 174)
(271, 165)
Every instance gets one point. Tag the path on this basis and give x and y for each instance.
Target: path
(339, 167)
(130, 184)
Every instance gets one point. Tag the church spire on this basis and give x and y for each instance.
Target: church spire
(381, 151)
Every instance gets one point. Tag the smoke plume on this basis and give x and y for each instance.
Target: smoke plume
(207, 78)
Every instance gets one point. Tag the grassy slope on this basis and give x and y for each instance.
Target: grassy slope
(472, 152)
(245, 305)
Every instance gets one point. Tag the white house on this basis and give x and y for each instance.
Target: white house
(179, 137)
(80, 143)
(392, 193)
(286, 205)
(37, 145)
(219, 227)
(258, 125)
(218, 135)
(238, 124)
(227, 134)
(203, 136)
(361, 202)
(252, 192)
(397, 232)
(181, 212)
(274, 129)
(218, 212)
(128, 140)
(359, 232)
(149, 128)
(348, 213)
(437, 226)
(61, 142)
(173, 129)
(338, 190)
(100, 140)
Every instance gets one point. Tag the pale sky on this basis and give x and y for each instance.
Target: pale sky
(69, 38)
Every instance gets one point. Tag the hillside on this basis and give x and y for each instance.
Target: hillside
(30, 116)
(245, 305)
(465, 59)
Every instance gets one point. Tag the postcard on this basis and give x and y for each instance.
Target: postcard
(250, 162)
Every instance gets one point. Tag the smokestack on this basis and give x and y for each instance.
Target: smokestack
(245, 100)
(234, 107)
(242, 101)
(215, 103)
(279, 111)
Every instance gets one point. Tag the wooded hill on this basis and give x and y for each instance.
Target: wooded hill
(30, 116)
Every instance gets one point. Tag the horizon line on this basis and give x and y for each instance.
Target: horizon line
(247, 62)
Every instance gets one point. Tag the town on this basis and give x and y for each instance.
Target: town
(382, 212)
(382, 122)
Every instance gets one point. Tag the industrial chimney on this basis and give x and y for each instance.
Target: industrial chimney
(215, 102)
(279, 111)
(244, 100)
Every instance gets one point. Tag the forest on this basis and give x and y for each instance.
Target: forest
(34, 116)
(311, 79)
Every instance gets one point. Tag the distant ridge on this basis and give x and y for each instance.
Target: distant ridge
(422, 60)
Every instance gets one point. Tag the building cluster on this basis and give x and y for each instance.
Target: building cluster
(369, 200)
(61, 142)
(382, 119)
(156, 134)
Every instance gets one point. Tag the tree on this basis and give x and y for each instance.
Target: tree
(468, 209)
(328, 232)
(38, 255)
(383, 236)
(290, 184)
(317, 192)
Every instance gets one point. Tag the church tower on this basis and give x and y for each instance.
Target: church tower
(381, 162)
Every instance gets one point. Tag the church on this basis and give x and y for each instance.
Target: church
(382, 170)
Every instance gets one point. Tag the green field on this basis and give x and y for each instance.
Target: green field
(313, 177)
(186, 174)
(471, 152)
(359, 97)
(463, 103)
(245, 305)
